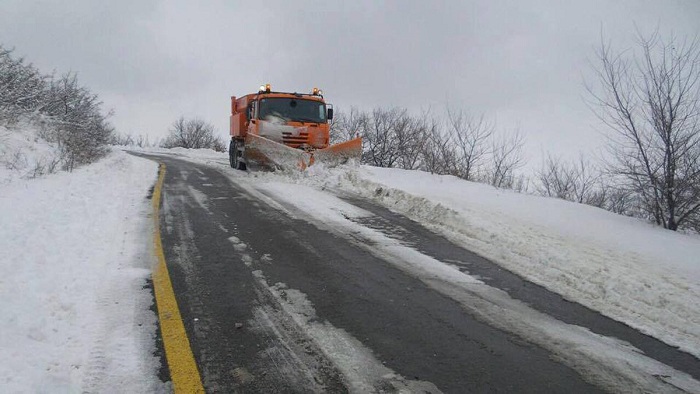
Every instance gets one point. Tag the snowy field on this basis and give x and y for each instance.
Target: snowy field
(625, 268)
(76, 255)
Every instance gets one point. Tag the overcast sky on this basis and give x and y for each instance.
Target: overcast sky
(521, 63)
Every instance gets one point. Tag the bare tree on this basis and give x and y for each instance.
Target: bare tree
(410, 134)
(391, 138)
(462, 146)
(347, 126)
(22, 87)
(67, 113)
(141, 140)
(193, 134)
(576, 181)
(554, 178)
(79, 127)
(506, 157)
(379, 138)
(471, 136)
(122, 139)
(587, 182)
(437, 151)
(614, 199)
(650, 100)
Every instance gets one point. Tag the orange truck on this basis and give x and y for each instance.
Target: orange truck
(282, 130)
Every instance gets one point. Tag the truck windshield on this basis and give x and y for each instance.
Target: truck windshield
(292, 109)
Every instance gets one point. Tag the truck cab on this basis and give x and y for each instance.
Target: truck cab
(294, 119)
(286, 131)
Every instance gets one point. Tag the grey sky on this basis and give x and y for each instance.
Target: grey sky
(520, 62)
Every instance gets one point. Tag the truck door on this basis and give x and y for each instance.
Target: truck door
(252, 114)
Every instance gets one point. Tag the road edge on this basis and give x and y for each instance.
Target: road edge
(178, 353)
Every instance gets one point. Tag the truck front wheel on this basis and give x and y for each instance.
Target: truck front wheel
(235, 155)
(232, 150)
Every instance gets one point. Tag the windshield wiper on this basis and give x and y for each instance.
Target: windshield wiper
(307, 120)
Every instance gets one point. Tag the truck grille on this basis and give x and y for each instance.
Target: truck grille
(289, 138)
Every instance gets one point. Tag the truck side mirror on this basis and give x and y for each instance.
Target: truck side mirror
(330, 114)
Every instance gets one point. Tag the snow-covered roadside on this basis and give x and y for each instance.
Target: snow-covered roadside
(644, 276)
(75, 259)
(629, 270)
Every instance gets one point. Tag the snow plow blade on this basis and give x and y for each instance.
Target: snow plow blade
(339, 153)
(263, 152)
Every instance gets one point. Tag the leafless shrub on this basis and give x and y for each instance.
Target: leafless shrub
(52, 164)
(122, 139)
(650, 101)
(22, 87)
(193, 134)
(464, 146)
(614, 199)
(438, 153)
(39, 169)
(521, 183)
(347, 126)
(379, 142)
(80, 130)
(68, 114)
(555, 179)
(391, 138)
(471, 136)
(411, 132)
(141, 141)
(506, 157)
(28, 167)
(14, 161)
(577, 181)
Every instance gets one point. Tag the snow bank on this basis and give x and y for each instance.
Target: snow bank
(75, 260)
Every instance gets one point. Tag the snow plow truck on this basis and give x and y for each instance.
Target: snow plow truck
(282, 130)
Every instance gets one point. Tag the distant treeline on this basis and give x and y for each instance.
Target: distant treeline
(66, 113)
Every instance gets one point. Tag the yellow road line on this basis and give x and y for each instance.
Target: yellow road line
(178, 353)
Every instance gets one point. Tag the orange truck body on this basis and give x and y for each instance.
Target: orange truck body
(283, 130)
(310, 134)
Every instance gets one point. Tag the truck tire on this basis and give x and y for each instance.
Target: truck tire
(240, 154)
(235, 155)
(232, 154)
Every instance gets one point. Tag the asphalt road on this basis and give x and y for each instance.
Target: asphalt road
(274, 303)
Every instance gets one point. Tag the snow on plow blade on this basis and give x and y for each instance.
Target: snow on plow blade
(263, 152)
(339, 153)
